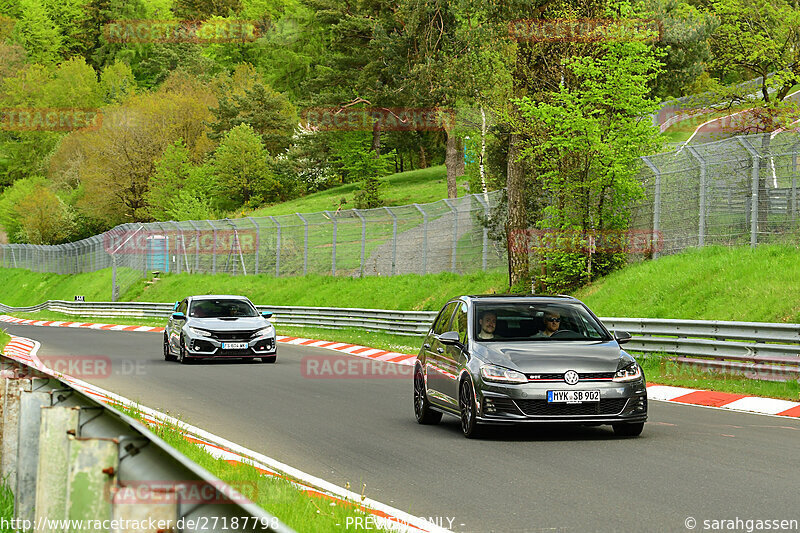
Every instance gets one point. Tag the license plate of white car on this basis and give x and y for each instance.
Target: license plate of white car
(573, 396)
(234, 345)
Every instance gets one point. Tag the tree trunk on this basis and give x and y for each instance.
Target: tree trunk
(423, 157)
(518, 261)
(461, 165)
(376, 138)
(451, 162)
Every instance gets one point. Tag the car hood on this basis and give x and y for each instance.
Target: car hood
(218, 324)
(554, 356)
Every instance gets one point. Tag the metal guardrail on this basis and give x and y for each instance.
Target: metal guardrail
(769, 350)
(68, 457)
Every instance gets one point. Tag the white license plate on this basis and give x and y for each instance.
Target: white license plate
(235, 345)
(573, 396)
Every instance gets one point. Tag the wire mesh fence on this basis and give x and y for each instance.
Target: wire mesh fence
(737, 191)
(447, 235)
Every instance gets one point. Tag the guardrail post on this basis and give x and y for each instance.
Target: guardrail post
(11, 403)
(305, 243)
(30, 415)
(53, 469)
(88, 480)
(363, 238)
(277, 247)
(394, 238)
(333, 258)
(424, 238)
(485, 244)
(455, 233)
(258, 241)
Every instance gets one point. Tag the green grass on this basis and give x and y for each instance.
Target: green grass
(6, 507)
(415, 186)
(712, 283)
(22, 287)
(278, 496)
(659, 369)
(4, 338)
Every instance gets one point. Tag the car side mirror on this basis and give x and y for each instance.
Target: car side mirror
(179, 316)
(448, 338)
(266, 314)
(174, 307)
(622, 336)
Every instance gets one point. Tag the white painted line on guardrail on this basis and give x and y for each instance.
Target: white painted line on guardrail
(25, 350)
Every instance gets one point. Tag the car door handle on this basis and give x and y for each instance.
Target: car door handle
(426, 346)
(440, 349)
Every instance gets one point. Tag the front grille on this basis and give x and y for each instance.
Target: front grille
(241, 336)
(584, 376)
(542, 408)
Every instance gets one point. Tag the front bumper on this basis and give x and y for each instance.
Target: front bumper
(527, 403)
(207, 347)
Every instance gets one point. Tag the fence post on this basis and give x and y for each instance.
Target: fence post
(277, 247)
(394, 238)
(754, 193)
(455, 233)
(485, 254)
(701, 231)
(656, 203)
(424, 238)
(333, 257)
(305, 243)
(363, 238)
(214, 251)
(258, 240)
(196, 247)
(794, 199)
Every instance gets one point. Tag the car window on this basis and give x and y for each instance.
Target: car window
(222, 308)
(182, 307)
(460, 324)
(525, 321)
(442, 321)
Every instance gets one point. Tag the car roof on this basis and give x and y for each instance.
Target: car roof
(218, 296)
(524, 297)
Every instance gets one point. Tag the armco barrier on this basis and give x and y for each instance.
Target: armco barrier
(68, 457)
(759, 349)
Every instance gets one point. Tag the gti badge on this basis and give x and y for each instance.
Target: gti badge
(571, 377)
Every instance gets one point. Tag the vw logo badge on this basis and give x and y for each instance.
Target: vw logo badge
(571, 377)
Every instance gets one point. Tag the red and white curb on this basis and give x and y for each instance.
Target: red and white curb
(383, 516)
(342, 347)
(724, 400)
(89, 325)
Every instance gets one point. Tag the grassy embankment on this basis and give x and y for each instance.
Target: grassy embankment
(713, 283)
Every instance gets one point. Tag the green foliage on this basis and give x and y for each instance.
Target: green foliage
(188, 205)
(355, 161)
(243, 170)
(117, 83)
(37, 33)
(9, 205)
(172, 170)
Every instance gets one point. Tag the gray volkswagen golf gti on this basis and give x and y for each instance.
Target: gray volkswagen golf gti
(527, 359)
(223, 327)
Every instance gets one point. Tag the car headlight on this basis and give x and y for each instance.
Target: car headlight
(200, 332)
(502, 375)
(631, 372)
(269, 330)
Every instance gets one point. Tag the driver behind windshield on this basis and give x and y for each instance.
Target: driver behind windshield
(552, 323)
(488, 323)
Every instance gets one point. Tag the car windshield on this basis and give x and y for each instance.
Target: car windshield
(223, 308)
(535, 322)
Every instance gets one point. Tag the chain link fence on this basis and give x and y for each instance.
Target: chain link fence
(737, 191)
(443, 236)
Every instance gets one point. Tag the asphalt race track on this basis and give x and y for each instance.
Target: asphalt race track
(690, 461)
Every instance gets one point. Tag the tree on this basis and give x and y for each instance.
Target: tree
(117, 83)
(243, 172)
(172, 170)
(585, 145)
(37, 33)
(43, 218)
